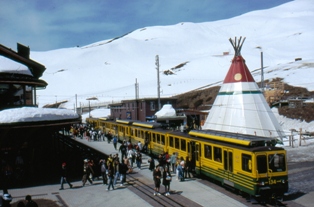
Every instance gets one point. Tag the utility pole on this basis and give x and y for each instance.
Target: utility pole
(136, 99)
(136, 90)
(158, 81)
(262, 68)
(262, 72)
(75, 110)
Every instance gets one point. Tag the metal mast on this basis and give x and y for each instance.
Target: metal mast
(158, 81)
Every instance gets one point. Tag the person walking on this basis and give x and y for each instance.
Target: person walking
(180, 175)
(131, 156)
(103, 171)
(123, 168)
(188, 167)
(160, 160)
(157, 180)
(116, 171)
(140, 146)
(166, 179)
(110, 176)
(115, 142)
(182, 164)
(64, 173)
(151, 163)
(138, 159)
(87, 170)
(123, 150)
(173, 161)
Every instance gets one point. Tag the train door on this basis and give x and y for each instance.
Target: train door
(228, 163)
(196, 161)
(191, 154)
(261, 165)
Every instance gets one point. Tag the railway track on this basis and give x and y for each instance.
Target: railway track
(144, 188)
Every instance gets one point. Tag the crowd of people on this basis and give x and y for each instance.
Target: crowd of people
(117, 166)
(90, 133)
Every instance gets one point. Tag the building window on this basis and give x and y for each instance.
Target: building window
(152, 106)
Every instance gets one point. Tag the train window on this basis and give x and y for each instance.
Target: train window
(176, 143)
(217, 154)
(197, 148)
(276, 162)
(246, 163)
(153, 136)
(163, 139)
(171, 141)
(152, 106)
(158, 138)
(208, 151)
(261, 164)
(183, 144)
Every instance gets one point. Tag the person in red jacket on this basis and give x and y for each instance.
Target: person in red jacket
(64, 176)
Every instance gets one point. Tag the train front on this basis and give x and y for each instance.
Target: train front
(271, 173)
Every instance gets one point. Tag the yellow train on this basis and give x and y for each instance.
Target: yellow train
(250, 164)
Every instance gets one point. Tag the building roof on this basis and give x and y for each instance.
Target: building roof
(22, 57)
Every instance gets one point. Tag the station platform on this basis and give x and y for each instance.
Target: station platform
(97, 195)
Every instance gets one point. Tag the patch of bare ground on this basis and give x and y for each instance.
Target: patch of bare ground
(203, 100)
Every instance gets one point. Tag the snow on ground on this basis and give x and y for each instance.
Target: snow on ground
(108, 69)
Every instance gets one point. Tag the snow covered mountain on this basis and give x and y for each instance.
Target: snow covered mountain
(190, 56)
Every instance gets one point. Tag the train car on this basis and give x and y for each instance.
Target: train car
(94, 122)
(247, 163)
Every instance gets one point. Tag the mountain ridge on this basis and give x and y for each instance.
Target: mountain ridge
(109, 71)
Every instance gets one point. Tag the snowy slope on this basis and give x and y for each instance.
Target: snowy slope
(109, 69)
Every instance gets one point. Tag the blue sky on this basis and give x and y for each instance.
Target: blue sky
(47, 25)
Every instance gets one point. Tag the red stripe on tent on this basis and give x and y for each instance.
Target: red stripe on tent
(238, 72)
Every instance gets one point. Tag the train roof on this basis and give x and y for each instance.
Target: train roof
(149, 125)
(233, 138)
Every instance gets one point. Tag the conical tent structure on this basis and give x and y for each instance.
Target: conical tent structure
(240, 106)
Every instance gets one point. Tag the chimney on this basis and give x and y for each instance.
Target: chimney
(23, 50)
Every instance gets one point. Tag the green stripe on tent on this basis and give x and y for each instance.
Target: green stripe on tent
(239, 92)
